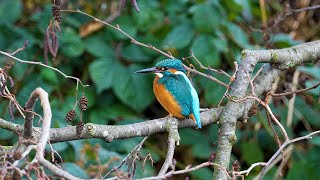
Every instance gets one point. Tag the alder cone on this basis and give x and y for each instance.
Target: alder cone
(83, 103)
(71, 115)
(79, 127)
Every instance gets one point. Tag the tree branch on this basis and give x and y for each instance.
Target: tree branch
(294, 92)
(284, 145)
(44, 65)
(173, 137)
(28, 123)
(280, 60)
(47, 115)
(113, 132)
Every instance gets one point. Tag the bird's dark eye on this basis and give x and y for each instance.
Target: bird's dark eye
(163, 68)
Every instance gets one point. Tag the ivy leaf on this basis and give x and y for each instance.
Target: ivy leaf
(72, 44)
(135, 53)
(179, 37)
(98, 48)
(134, 90)
(75, 170)
(204, 49)
(104, 71)
(10, 11)
(201, 13)
(251, 152)
(238, 35)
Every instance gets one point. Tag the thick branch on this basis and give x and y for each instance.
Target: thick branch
(173, 137)
(113, 132)
(28, 124)
(280, 59)
(47, 116)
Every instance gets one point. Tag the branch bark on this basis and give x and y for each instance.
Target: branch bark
(45, 134)
(28, 124)
(173, 138)
(279, 61)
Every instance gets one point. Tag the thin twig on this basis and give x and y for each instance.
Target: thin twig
(117, 27)
(137, 148)
(266, 106)
(295, 81)
(256, 75)
(187, 170)
(24, 154)
(44, 65)
(219, 71)
(284, 145)
(205, 75)
(246, 172)
(294, 92)
(233, 77)
(21, 49)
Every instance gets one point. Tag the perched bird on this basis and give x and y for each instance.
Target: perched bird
(174, 90)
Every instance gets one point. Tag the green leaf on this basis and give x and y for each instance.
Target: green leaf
(312, 71)
(5, 135)
(204, 49)
(106, 155)
(114, 111)
(150, 12)
(307, 111)
(202, 150)
(126, 25)
(205, 18)
(134, 90)
(315, 91)
(251, 152)
(213, 92)
(303, 170)
(42, 18)
(202, 174)
(71, 43)
(179, 37)
(135, 53)
(284, 40)
(10, 11)
(75, 170)
(315, 140)
(98, 48)
(50, 76)
(201, 144)
(35, 81)
(238, 35)
(104, 71)
(192, 137)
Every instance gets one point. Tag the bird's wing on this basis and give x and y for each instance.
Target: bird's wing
(181, 92)
(195, 106)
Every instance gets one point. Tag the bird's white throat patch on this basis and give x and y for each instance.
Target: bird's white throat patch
(179, 72)
(160, 75)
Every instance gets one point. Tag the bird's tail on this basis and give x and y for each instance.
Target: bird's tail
(196, 118)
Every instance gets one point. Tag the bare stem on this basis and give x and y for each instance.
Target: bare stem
(44, 65)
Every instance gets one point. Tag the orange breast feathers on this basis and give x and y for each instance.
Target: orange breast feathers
(166, 99)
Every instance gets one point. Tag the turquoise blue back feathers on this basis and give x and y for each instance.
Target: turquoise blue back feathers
(171, 74)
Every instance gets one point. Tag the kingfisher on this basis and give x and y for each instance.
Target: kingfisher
(174, 90)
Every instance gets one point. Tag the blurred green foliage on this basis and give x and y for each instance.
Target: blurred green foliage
(215, 30)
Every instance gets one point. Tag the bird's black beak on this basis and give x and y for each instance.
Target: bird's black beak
(148, 70)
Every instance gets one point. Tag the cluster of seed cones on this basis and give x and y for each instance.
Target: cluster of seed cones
(83, 103)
